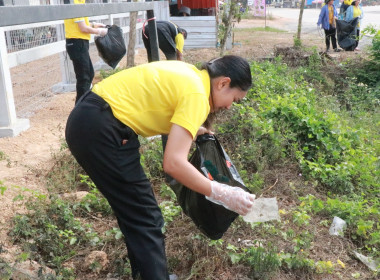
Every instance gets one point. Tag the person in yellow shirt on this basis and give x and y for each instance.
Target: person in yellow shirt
(163, 97)
(355, 11)
(346, 3)
(171, 40)
(78, 34)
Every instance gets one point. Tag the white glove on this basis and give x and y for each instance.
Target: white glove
(232, 198)
(102, 31)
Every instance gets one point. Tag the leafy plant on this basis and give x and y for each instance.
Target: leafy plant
(3, 188)
(169, 212)
(106, 73)
(59, 233)
(263, 262)
(296, 262)
(94, 200)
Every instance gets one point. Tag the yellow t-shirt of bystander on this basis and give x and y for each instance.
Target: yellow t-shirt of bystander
(357, 13)
(72, 30)
(149, 98)
(179, 42)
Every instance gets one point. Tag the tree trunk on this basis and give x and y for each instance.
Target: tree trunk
(227, 26)
(298, 41)
(132, 40)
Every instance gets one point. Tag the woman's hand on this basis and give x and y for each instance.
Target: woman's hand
(232, 198)
(202, 130)
(102, 31)
(97, 24)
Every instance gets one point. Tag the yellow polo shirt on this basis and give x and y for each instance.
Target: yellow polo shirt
(149, 98)
(179, 42)
(357, 13)
(72, 30)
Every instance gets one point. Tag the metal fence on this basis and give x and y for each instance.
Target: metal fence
(33, 82)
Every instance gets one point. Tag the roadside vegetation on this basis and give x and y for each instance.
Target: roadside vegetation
(306, 134)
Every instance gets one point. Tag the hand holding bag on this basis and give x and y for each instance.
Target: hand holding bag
(111, 47)
(211, 160)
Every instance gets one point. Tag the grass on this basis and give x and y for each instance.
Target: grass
(249, 15)
(281, 125)
(260, 29)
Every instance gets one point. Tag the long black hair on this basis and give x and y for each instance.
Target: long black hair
(183, 31)
(232, 66)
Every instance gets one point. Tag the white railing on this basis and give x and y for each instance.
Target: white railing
(21, 70)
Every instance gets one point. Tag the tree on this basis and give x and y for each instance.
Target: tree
(229, 14)
(132, 39)
(297, 41)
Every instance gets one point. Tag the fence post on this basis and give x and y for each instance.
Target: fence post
(10, 125)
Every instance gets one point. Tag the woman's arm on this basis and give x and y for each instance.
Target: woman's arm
(321, 16)
(179, 54)
(177, 166)
(176, 162)
(88, 29)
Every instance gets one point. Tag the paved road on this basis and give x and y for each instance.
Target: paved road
(310, 18)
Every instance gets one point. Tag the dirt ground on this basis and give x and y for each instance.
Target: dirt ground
(25, 159)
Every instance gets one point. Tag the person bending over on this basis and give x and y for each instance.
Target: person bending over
(171, 40)
(147, 100)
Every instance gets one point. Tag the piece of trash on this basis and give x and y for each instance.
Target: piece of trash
(341, 263)
(263, 210)
(368, 261)
(337, 227)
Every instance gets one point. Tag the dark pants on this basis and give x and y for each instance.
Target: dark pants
(165, 44)
(331, 33)
(78, 50)
(109, 153)
(357, 38)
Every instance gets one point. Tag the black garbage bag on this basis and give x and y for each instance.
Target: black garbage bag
(211, 160)
(111, 48)
(346, 33)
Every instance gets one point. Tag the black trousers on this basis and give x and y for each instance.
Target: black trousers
(331, 33)
(78, 50)
(165, 44)
(108, 151)
(357, 38)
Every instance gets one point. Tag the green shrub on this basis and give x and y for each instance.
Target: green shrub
(263, 262)
(57, 230)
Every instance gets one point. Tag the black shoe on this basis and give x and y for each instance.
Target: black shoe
(337, 50)
(327, 50)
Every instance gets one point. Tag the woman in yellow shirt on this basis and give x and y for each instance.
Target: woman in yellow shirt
(164, 97)
(78, 34)
(355, 11)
